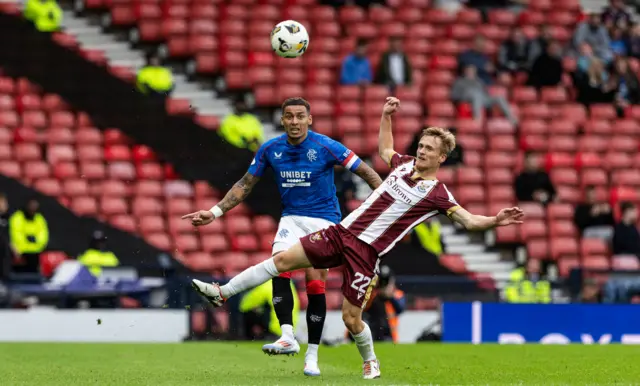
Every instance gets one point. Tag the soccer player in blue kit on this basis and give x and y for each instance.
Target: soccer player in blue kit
(303, 162)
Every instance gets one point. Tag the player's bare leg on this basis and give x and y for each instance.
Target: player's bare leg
(316, 314)
(283, 307)
(289, 260)
(359, 330)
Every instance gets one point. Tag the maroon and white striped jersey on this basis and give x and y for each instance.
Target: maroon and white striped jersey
(397, 206)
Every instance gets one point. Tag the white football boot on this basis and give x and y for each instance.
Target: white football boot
(311, 368)
(371, 369)
(209, 291)
(283, 346)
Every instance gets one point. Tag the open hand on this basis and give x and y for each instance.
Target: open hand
(201, 217)
(391, 105)
(508, 216)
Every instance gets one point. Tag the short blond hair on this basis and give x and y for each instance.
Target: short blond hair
(448, 140)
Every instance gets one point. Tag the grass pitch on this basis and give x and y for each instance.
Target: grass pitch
(245, 364)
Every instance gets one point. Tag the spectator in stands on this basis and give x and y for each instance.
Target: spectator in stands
(477, 57)
(595, 34)
(533, 184)
(29, 234)
(626, 238)
(98, 256)
(615, 14)
(428, 235)
(595, 86)
(487, 5)
(46, 15)
(539, 44)
(590, 292)
(242, 129)
(259, 316)
(394, 68)
(547, 67)
(526, 285)
(618, 42)
(452, 6)
(634, 41)
(516, 53)
(470, 88)
(626, 83)
(6, 251)
(154, 79)
(356, 68)
(345, 188)
(620, 290)
(594, 218)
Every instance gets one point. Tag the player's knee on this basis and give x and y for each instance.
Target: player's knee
(315, 287)
(280, 260)
(315, 274)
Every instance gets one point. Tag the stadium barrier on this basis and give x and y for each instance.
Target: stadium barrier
(540, 323)
(41, 324)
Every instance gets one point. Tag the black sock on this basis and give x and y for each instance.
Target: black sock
(316, 314)
(283, 300)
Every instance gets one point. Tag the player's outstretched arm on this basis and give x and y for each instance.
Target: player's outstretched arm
(369, 175)
(238, 192)
(385, 138)
(475, 222)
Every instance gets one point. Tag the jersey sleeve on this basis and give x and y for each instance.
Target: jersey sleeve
(444, 200)
(259, 163)
(398, 159)
(344, 156)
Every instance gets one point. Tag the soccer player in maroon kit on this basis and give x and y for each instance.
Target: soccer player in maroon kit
(408, 196)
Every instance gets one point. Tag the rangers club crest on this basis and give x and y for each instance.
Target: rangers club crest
(312, 155)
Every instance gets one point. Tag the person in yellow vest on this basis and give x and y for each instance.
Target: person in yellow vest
(98, 256)
(29, 236)
(46, 15)
(258, 313)
(521, 289)
(242, 129)
(154, 79)
(429, 236)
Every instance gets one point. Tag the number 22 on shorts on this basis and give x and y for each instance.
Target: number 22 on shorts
(360, 283)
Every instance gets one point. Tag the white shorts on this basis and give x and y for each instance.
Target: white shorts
(292, 228)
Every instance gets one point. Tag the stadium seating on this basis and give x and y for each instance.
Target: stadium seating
(101, 173)
(582, 146)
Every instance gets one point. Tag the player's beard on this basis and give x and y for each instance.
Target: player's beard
(296, 133)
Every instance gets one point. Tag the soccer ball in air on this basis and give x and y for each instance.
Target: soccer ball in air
(289, 39)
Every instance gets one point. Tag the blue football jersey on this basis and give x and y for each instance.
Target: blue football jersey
(304, 173)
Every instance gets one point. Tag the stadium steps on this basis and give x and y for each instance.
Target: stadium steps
(91, 36)
(593, 5)
(475, 253)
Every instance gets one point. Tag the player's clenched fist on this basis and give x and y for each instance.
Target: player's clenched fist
(201, 217)
(391, 105)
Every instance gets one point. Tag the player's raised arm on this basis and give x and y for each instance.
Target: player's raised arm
(385, 138)
(473, 222)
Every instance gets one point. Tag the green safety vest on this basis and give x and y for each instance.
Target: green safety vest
(28, 236)
(243, 131)
(429, 236)
(156, 78)
(95, 260)
(263, 294)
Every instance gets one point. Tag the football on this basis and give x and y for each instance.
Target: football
(289, 39)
